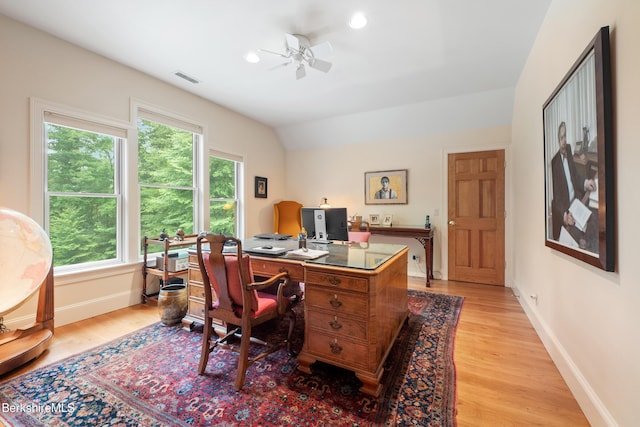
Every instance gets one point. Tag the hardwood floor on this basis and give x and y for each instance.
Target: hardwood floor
(504, 375)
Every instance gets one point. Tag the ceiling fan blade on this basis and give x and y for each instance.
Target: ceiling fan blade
(273, 53)
(284, 64)
(321, 49)
(300, 72)
(320, 65)
(292, 42)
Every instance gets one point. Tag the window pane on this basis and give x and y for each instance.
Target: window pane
(165, 155)
(223, 217)
(79, 161)
(169, 209)
(222, 178)
(83, 229)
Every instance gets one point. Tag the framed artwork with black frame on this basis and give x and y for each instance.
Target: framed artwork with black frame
(578, 159)
(261, 187)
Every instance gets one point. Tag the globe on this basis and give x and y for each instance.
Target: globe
(25, 258)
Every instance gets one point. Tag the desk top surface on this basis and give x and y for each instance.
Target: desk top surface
(365, 256)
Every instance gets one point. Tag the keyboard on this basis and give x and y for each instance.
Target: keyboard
(273, 236)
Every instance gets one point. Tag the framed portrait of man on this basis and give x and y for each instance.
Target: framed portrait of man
(385, 187)
(578, 148)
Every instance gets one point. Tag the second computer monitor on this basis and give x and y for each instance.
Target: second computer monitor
(335, 223)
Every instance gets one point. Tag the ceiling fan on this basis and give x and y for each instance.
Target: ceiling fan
(298, 50)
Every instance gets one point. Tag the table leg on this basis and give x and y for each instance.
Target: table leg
(427, 244)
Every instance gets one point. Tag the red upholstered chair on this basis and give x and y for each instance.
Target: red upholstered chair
(233, 297)
(287, 217)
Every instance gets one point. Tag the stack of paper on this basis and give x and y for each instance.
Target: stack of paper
(580, 214)
(306, 254)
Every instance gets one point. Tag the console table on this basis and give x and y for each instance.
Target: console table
(421, 234)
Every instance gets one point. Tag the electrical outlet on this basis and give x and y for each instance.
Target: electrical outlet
(416, 258)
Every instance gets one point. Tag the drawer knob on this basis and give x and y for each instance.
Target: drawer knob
(335, 303)
(335, 347)
(334, 281)
(335, 324)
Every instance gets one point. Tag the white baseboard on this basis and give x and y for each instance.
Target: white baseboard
(80, 311)
(593, 408)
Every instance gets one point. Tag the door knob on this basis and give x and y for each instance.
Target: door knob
(452, 222)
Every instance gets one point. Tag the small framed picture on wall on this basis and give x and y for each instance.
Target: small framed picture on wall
(261, 187)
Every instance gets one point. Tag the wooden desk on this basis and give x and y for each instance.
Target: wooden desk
(356, 302)
(421, 234)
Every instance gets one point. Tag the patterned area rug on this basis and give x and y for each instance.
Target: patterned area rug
(149, 378)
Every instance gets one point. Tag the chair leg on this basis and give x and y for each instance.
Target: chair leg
(292, 324)
(206, 345)
(243, 359)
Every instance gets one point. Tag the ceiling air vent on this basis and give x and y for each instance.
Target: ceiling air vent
(186, 77)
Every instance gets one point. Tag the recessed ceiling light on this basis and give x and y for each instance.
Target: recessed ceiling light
(358, 20)
(252, 57)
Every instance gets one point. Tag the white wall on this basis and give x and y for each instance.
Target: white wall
(338, 174)
(34, 64)
(587, 318)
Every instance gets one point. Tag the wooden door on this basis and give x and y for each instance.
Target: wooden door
(476, 217)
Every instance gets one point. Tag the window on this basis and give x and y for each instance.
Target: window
(224, 200)
(167, 159)
(81, 190)
(82, 195)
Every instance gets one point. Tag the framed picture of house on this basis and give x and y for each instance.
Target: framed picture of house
(385, 187)
(578, 159)
(261, 187)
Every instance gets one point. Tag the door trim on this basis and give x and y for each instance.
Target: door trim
(508, 222)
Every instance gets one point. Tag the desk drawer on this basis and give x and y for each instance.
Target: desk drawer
(337, 324)
(196, 290)
(337, 302)
(266, 268)
(338, 350)
(337, 281)
(196, 309)
(195, 275)
(193, 258)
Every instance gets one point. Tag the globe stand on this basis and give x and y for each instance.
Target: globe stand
(22, 345)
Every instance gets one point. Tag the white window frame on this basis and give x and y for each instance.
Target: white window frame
(142, 110)
(69, 116)
(239, 175)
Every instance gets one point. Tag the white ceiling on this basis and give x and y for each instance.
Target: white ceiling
(412, 52)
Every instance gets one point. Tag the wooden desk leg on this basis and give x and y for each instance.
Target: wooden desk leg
(427, 244)
(304, 364)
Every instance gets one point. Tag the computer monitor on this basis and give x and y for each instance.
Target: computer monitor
(334, 221)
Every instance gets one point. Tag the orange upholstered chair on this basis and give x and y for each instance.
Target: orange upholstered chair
(232, 296)
(287, 217)
(359, 232)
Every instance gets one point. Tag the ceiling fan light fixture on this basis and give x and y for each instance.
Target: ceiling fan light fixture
(252, 57)
(358, 21)
(298, 50)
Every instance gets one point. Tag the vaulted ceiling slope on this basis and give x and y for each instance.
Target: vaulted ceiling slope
(414, 57)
